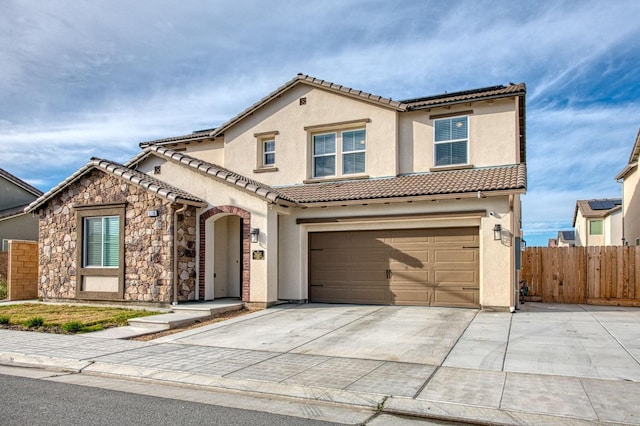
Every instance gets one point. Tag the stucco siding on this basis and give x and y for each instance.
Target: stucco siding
(631, 204)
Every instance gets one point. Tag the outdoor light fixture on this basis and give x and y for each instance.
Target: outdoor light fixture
(497, 232)
(254, 234)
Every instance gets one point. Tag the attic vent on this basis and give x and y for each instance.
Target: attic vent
(156, 170)
(303, 101)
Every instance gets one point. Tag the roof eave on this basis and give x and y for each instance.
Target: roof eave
(626, 171)
(413, 198)
(467, 101)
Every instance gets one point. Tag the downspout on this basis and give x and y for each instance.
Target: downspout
(175, 252)
(624, 240)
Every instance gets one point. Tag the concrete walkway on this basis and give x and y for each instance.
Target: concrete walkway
(546, 364)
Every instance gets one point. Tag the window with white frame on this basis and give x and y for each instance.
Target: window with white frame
(596, 227)
(353, 151)
(101, 241)
(451, 143)
(5, 245)
(343, 151)
(268, 152)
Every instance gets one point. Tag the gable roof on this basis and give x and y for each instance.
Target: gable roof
(469, 182)
(567, 236)
(217, 172)
(633, 159)
(446, 99)
(20, 183)
(596, 208)
(198, 135)
(146, 182)
(315, 82)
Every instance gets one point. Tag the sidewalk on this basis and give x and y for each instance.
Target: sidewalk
(543, 365)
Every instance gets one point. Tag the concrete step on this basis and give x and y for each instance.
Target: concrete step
(169, 321)
(212, 308)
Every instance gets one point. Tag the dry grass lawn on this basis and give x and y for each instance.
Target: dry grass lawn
(65, 318)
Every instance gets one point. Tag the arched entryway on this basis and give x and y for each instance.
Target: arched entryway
(224, 253)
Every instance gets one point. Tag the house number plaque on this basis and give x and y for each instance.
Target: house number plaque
(258, 255)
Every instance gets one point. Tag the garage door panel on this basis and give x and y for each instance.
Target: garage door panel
(456, 256)
(456, 297)
(467, 278)
(428, 267)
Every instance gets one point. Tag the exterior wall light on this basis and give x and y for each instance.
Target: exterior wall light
(254, 234)
(497, 232)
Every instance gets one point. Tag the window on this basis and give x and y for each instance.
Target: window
(451, 141)
(353, 150)
(102, 241)
(347, 147)
(595, 227)
(268, 152)
(324, 155)
(5, 245)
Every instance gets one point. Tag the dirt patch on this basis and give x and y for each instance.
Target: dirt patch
(216, 318)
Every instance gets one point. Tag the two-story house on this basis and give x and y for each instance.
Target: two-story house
(598, 222)
(15, 224)
(316, 193)
(630, 178)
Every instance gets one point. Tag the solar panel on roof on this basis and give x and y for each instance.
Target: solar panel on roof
(601, 205)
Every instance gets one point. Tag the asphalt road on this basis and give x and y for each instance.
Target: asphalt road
(26, 401)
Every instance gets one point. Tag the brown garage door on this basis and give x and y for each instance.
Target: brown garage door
(432, 267)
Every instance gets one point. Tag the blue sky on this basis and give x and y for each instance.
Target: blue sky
(94, 78)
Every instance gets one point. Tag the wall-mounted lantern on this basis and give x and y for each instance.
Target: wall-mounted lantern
(254, 234)
(497, 232)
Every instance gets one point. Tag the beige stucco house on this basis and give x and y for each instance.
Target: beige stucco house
(316, 193)
(630, 176)
(15, 224)
(598, 222)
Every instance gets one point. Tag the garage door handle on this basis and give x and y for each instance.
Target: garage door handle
(389, 273)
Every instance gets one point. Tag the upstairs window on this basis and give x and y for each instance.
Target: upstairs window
(343, 151)
(324, 155)
(451, 141)
(353, 151)
(268, 153)
(102, 241)
(595, 227)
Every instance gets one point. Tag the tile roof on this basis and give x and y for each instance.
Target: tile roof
(492, 92)
(134, 177)
(312, 81)
(505, 178)
(217, 172)
(19, 182)
(588, 212)
(633, 159)
(194, 136)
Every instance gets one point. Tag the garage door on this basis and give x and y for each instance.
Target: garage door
(429, 267)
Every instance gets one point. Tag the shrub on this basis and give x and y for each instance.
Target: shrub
(34, 322)
(3, 288)
(72, 326)
(4, 320)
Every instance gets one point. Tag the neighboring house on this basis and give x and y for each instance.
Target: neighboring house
(598, 222)
(317, 192)
(15, 195)
(629, 176)
(553, 242)
(566, 239)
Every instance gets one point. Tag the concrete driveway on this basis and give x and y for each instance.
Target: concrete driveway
(566, 340)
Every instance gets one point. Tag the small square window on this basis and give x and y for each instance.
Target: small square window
(595, 227)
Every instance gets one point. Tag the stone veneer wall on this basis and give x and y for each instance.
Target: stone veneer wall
(148, 241)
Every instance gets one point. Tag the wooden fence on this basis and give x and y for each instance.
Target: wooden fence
(592, 275)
